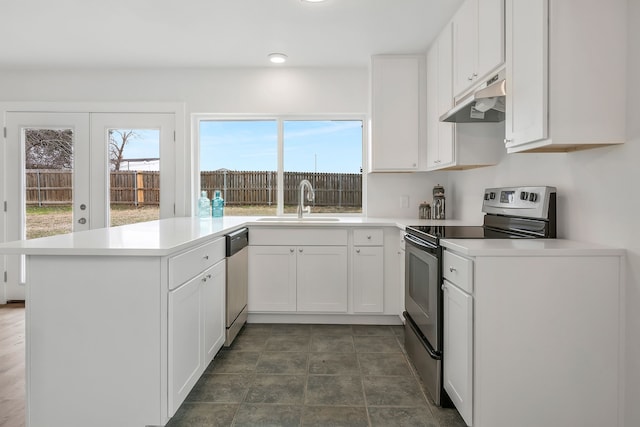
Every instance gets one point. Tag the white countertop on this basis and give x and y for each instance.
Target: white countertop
(167, 236)
(528, 247)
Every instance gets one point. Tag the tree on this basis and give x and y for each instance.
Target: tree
(118, 139)
(48, 149)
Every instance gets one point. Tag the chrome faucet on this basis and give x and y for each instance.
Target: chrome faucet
(311, 196)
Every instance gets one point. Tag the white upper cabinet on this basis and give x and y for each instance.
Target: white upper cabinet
(397, 104)
(478, 42)
(565, 79)
(440, 135)
(454, 146)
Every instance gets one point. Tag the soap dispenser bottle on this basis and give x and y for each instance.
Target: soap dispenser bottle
(204, 206)
(218, 205)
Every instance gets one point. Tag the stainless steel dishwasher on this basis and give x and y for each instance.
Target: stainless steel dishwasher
(237, 282)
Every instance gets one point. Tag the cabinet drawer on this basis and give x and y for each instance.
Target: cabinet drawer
(368, 237)
(186, 265)
(458, 270)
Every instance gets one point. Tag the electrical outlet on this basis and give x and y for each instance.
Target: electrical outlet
(404, 202)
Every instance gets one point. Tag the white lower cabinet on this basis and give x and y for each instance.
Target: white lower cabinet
(297, 278)
(272, 278)
(185, 343)
(322, 278)
(458, 348)
(196, 318)
(367, 265)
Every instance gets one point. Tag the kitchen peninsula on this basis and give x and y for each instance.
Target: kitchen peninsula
(121, 322)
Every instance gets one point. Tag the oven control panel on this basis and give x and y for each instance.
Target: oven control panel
(532, 202)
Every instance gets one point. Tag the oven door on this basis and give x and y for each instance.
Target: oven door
(423, 301)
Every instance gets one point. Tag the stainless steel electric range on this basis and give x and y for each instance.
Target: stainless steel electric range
(510, 213)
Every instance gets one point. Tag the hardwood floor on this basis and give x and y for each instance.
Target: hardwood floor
(12, 356)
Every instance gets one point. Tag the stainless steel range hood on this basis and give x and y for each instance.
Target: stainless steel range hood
(484, 104)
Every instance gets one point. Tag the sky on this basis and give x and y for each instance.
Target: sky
(320, 146)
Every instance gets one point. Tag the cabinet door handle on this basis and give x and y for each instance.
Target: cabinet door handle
(451, 269)
(300, 250)
(475, 74)
(291, 250)
(205, 257)
(507, 141)
(469, 78)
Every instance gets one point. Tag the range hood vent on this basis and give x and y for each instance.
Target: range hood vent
(484, 105)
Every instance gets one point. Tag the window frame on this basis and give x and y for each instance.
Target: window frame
(196, 119)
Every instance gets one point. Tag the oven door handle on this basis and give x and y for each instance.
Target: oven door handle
(434, 354)
(419, 243)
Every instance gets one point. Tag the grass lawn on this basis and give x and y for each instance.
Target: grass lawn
(53, 220)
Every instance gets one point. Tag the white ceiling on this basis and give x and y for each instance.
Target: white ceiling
(213, 33)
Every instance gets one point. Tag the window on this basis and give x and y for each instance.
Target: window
(241, 159)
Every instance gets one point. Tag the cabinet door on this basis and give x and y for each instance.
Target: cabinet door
(272, 278)
(490, 36)
(368, 279)
(322, 278)
(458, 349)
(526, 71)
(212, 299)
(465, 46)
(395, 113)
(433, 118)
(440, 136)
(185, 332)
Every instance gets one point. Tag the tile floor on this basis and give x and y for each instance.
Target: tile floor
(312, 375)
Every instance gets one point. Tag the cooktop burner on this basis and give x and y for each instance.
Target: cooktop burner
(433, 233)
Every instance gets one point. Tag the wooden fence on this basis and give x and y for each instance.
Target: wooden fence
(54, 187)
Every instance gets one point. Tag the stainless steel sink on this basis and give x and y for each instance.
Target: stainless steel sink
(296, 219)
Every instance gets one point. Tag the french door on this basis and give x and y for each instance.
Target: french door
(59, 172)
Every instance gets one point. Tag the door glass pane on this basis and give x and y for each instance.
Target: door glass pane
(239, 158)
(134, 175)
(327, 153)
(48, 181)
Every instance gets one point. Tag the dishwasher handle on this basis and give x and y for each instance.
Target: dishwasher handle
(237, 240)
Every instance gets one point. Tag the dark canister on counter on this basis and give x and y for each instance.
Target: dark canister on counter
(424, 211)
(438, 202)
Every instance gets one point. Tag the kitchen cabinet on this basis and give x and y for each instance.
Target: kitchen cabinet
(555, 65)
(457, 351)
(321, 277)
(478, 42)
(454, 146)
(368, 271)
(398, 96)
(440, 135)
(524, 328)
(272, 278)
(298, 270)
(196, 316)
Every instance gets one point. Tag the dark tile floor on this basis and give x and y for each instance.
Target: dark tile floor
(312, 375)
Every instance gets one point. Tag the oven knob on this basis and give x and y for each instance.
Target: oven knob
(523, 195)
(533, 197)
(486, 196)
(492, 195)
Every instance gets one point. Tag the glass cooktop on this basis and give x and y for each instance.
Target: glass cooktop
(434, 233)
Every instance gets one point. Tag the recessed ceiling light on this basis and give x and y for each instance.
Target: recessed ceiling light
(277, 58)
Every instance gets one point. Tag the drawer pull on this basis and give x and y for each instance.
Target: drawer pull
(291, 250)
(451, 269)
(205, 257)
(357, 251)
(369, 237)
